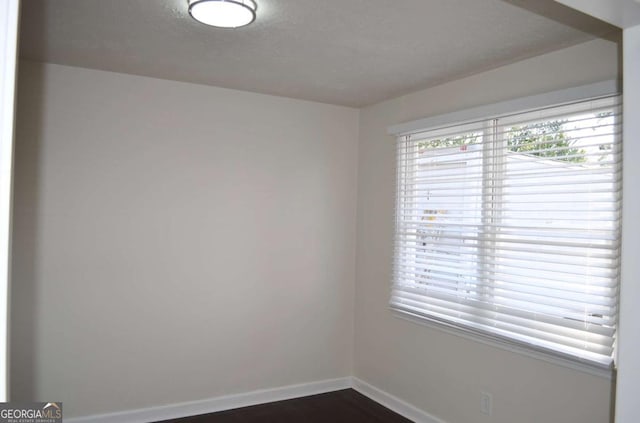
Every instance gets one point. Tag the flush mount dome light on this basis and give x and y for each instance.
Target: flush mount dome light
(223, 13)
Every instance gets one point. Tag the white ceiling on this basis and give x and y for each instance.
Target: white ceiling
(349, 52)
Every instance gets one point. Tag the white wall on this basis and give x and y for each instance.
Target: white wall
(437, 372)
(176, 242)
(627, 404)
(9, 19)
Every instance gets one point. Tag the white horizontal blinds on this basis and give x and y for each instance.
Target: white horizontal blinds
(511, 227)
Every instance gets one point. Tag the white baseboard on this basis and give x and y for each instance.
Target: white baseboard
(227, 402)
(393, 403)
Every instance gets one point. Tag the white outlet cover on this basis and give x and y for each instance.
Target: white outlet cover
(486, 403)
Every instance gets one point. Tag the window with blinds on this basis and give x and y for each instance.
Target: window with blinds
(510, 228)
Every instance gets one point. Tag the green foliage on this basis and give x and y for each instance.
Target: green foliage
(456, 141)
(606, 149)
(544, 139)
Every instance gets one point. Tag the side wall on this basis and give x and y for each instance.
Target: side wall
(437, 372)
(627, 404)
(176, 242)
(9, 22)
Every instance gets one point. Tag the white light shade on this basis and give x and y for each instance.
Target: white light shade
(223, 13)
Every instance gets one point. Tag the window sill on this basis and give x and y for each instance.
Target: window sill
(608, 374)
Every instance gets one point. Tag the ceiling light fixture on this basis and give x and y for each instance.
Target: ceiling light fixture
(223, 13)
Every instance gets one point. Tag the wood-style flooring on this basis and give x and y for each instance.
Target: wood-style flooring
(346, 406)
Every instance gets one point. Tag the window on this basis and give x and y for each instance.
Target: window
(509, 227)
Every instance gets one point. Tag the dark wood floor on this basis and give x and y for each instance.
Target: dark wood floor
(346, 406)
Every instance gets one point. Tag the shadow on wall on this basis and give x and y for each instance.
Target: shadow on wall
(24, 300)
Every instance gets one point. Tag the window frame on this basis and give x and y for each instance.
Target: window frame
(488, 113)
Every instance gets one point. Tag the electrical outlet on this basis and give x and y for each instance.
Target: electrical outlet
(486, 403)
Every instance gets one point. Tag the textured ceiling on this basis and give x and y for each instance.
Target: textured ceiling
(350, 52)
